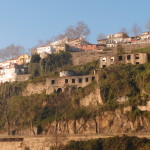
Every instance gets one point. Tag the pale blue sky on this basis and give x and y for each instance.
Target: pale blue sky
(24, 22)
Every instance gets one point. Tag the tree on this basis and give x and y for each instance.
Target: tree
(124, 30)
(80, 30)
(136, 29)
(11, 52)
(100, 36)
(35, 58)
(148, 25)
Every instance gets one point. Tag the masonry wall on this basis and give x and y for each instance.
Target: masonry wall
(129, 47)
(68, 83)
(138, 58)
(81, 58)
(23, 77)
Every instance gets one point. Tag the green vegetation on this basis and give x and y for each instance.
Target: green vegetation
(120, 49)
(142, 50)
(35, 58)
(52, 63)
(17, 111)
(118, 81)
(114, 143)
(86, 68)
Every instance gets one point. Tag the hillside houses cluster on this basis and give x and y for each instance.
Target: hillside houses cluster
(11, 68)
(80, 44)
(112, 40)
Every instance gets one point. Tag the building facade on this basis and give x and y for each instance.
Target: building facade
(145, 36)
(113, 39)
(137, 58)
(116, 38)
(23, 59)
(68, 83)
(11, 68)
(9, 73)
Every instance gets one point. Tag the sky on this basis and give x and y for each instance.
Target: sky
(25, 22)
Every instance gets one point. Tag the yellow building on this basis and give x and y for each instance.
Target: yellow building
(23, 59)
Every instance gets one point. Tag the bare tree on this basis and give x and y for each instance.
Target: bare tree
(124, 30)
(136, 30)
(11, 52)
(100, 36)
(148, 25)
(81, 30)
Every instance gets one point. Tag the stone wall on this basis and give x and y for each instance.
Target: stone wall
(23, 77)
(138, 58)
(34, 88)
(68, 83)
(129, 47)
(81, 58)
(59, 84)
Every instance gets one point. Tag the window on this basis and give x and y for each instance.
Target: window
(86, 79)
(112, 58)
(128, 57)
(104, 66)
(104, 59)
(73, 80)
(137, 56)
(93, 78)
(66, 80)
(80, 80)
(137, 63)
(52, 81)
(119, 58)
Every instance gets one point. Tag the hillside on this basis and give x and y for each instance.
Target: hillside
(120, 94)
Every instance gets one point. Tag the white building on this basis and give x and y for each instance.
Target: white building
(145, 36)
(8, 74)
(47, 48)
(113, 39)
(59, 42)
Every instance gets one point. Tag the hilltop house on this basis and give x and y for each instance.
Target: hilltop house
(145, 36)
(60, 45)
(113, 39)
(23, 59)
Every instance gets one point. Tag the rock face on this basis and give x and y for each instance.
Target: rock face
(34, 88)
(107, 123)
(93, 98)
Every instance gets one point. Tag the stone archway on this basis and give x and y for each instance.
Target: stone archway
(72, 89)
(66, 89)
(59, 90)
(79, 87)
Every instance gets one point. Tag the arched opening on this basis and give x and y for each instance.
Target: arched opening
(59, 90)
(66, 89)
(73, 89)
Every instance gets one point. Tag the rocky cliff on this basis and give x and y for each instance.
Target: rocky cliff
(117, 122)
